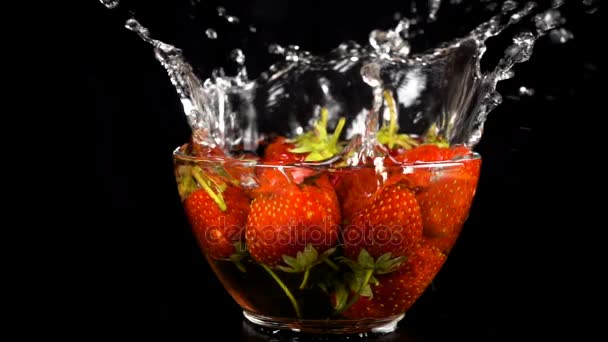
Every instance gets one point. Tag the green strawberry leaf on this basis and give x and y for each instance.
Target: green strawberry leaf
(366, 291)
(365, 260)
(239, 255)
(340, 295)
(318, 143)
(304, 261)
(213, 189)
(185, 183)
(385, 264)
(388, 135)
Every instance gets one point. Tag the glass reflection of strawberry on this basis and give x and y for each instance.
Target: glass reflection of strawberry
(445, 203)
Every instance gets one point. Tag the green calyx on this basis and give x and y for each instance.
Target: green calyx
(389, 135)
(318, 143)
(363, 274)
(239, 254)
(433, 138)
(192, 178)
(304, 261)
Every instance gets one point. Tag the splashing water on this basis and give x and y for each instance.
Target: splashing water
(211, 33)
(221, 12)
(111, 4)
(440, 92)
(433, 9)
(526, 91)
(560, 35)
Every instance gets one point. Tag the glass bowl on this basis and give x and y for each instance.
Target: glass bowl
(325, 249)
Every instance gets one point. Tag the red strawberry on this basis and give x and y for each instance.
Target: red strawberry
(315, 145)
(390, 223)
(396, 292)
(423, 153)
(279, 152)
(445, 203)
(354, 188)
(283, 221)
(217, 226)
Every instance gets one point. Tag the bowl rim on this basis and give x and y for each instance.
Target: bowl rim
(178, 154)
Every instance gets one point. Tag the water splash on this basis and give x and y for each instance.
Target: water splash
(433, 9)
(211, 33)
(525, 91)
(560, 35)
(392, 40)
(111, 4)
(441, 91)
(221, 12)
(238, 56)
(508, 6)
(210, 106)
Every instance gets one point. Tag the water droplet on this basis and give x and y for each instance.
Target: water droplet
(135, 26)
(548, 20)
(221, 11)
(525, 91)
(560, 35)
(491, 6)
(397, 16)
(508, 6)
(371, 74)
(433, 8)
(276, 49)
(232, 19)
(521, 50)
(253, 29)
(391, 40)
(557, 3)
(402, 28)
(516, 17)
(238, 56)
(211, 33)
(111, 4)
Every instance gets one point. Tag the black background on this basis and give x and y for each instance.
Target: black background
(513, 270)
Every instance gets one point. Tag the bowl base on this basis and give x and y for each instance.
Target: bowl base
(320, 326)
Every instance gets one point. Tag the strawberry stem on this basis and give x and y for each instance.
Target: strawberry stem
(305, 279)
(392, 128)
(317, 143)
(355, 298)
(332, 264)
(217, 198)
(389, 136)
(276, 278)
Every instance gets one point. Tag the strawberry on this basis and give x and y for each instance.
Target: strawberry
(445, 203)
(423, 153)
(315, 145)
(354, 188)
(283, 221)
(279, 152)
(394, 293)
(217, 213)
(390, 223)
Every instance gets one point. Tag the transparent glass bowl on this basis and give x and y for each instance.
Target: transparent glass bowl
(246, 216)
